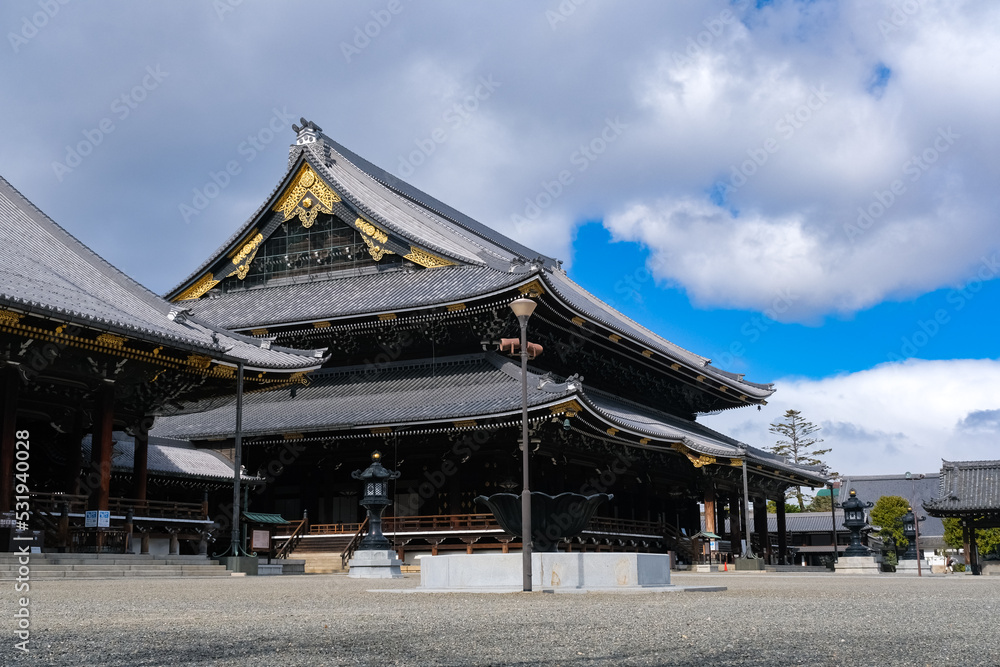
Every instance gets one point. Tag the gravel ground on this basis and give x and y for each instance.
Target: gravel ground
(763, 619)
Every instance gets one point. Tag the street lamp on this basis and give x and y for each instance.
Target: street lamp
(523, 308)
(916, 527)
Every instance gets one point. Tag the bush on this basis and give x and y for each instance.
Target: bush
(959, 567)
(889, 558)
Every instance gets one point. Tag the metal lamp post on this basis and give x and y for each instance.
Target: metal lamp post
(523, 308)
(916, 525)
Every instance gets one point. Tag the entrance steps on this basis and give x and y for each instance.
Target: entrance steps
(321, 562)
(51, 566)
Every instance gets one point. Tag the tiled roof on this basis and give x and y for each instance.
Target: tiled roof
(441, 392)
(589, 305)
(389, 291)
(169, 458)
(967, 486)
(870, 488)
(698, 437)
(363, 397)
(491, 261)
(44, 270)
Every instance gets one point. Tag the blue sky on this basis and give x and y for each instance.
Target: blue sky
(803, 191)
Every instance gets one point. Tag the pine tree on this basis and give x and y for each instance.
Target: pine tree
(796, 445)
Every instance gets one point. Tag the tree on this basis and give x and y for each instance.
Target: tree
(887, 514)
(988, 539)
(796, 445)
(820, 504)
(772, 508)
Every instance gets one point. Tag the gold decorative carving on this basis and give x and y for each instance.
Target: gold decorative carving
(205, 283)
(9, 318)
(292, 436)
(375, 250)
(736, 463)
(571, 408)
(579, 321)
(700, 378)
(258, 332)
(298, 378)
(246, 255)
(464, 424)
(455, 307)
(199, 361)
(614, 338)
(423, 258)
(612, 431)
(723, 387)
(225, 371)
(371, 230)
(647, 353)
(321, 325)
(387, 316)
(111, 340)
(381, 429)
(644, 441)
(533, 289)
(676, 367)
(307, 197)
(743, 397)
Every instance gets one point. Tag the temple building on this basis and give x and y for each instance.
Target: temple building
(88, 359)
(411, 299)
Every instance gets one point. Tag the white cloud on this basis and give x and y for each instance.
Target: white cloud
(889, 419)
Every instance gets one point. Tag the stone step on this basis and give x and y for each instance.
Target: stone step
(123, 568)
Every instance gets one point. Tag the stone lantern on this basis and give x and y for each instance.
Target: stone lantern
(374, 558)
(854, 521)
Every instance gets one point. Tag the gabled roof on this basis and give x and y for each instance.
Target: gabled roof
(967, 487)
(458, 392)
(45, 271)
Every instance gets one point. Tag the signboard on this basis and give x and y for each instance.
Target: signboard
(714, 545)
(91, 519)
(104, 519)
(261, 540)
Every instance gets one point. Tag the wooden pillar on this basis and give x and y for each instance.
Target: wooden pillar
(140, 462)
(782, 534)
(100, 445)
(709, 520)
(760, 526)
(8, 378)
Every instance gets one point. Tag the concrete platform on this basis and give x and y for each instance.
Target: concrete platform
(857, 565)
(380, 564)
(551, 572)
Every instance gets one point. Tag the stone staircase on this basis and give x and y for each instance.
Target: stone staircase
(51, 566)
(322, 553)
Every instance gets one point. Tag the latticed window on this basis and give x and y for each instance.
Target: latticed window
(293, 251)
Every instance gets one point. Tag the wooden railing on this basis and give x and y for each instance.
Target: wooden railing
(600, 524)
(352, 546)
(293, 539)
(333, 528)
(52, 503)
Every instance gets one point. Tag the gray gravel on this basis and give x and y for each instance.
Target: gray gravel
(763, 619)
